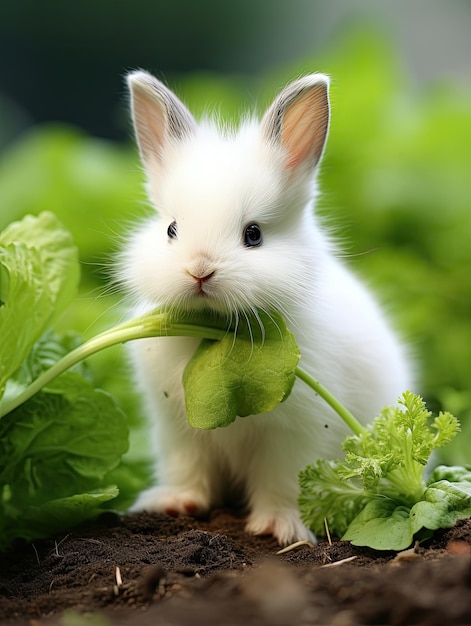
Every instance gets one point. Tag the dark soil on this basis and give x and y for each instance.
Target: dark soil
(144, 570)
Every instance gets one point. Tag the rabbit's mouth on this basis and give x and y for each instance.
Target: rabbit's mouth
(202, 284)
(202, 295)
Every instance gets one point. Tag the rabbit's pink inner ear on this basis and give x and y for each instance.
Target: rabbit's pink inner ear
(150, 122)
(304, 126)
(158, 115)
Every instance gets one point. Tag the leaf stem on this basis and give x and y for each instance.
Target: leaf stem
(155, 325)
(140, 328)
(332, 401)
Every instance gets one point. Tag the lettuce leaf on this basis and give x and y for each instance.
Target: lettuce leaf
(42, 520)
(39, 274)
(246, 373)
(56, 450)
(59, 449)
(385, 524)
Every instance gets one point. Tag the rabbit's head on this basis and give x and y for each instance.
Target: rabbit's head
(234, 230)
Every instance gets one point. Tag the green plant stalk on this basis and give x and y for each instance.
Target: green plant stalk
(149, 326)
(407, 479)
(140, 328)
(404, 484)
(332, 401)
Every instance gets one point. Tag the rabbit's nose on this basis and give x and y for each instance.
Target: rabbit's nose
(201, 269)
(202, 279)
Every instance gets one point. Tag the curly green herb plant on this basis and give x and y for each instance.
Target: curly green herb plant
(378, 496)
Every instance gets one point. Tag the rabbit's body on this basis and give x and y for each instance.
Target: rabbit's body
(236, 233)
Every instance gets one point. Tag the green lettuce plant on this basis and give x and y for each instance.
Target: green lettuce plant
(378, 496)
(58, 449)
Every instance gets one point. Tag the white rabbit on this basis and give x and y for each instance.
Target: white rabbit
(234, 231)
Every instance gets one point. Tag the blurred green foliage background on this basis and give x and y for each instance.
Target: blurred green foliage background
(395, 177)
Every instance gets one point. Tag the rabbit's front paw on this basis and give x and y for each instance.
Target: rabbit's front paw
(284, 524)
(172, 501)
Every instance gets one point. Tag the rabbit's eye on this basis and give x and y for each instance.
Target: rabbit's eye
(253, 236)
(172, 230)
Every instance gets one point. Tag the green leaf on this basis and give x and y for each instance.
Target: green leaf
(31, 522)
(61, 443)
(49, 349)
(62, 439)
(57, 250)
(39, 275)
(326, 495)
(451, 473)
(383, 524)
(444, 503)
(241, 375)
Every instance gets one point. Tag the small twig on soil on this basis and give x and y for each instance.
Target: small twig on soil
(56, 549)
(294, 546)
(119, 581)
(326, 526)
(90, 540)
(36, 553)
(336, 563)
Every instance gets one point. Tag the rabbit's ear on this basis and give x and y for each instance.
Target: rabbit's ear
(158, 115)
(299, 120)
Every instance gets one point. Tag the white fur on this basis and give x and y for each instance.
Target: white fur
(214, 183)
